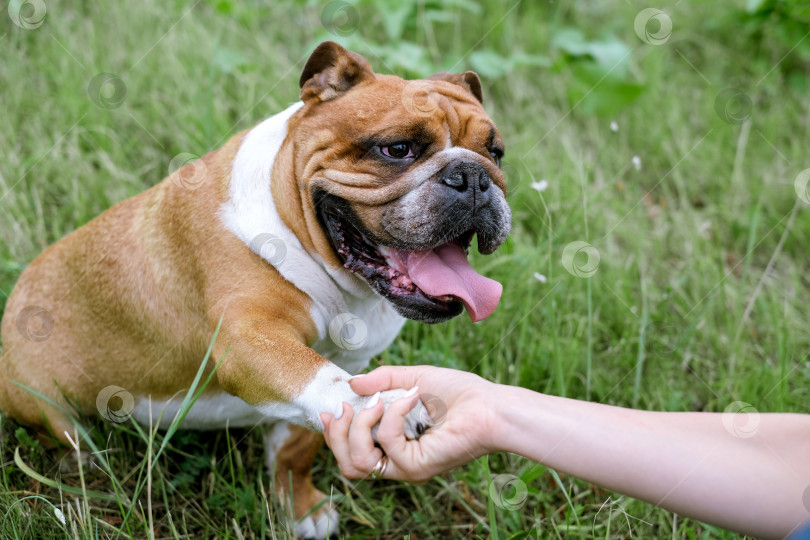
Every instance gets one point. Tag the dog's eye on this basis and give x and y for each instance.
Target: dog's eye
(496, 155)
(401, 150)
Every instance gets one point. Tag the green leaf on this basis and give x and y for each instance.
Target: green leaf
(564, 491)
(799, 11)
(224, 6)
(227, 60)
(406, 56)
(756, 6)
(611, 54)
(798, 81)
(594, 93)
(440, 16)
(490, 64)
(394, 15)
(523, 59)
(467, 5)
(56, 485)
(570, 40)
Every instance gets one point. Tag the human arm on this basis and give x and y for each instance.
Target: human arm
(748, 475)
(689, 463)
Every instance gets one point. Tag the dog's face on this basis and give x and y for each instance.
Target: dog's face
(401, 175)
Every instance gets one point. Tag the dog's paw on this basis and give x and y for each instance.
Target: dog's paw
(320, 525)
(416, 422)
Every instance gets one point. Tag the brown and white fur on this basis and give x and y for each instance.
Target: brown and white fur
(135, 295)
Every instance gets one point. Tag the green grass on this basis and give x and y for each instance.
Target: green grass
(695, 303)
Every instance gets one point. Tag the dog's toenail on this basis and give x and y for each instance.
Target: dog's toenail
(420, 428)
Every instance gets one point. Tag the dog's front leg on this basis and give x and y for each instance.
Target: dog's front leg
(269, 366)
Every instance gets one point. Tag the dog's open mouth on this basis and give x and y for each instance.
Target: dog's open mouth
(428, 285)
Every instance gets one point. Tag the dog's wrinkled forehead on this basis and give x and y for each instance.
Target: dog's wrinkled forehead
(419, 110)
(437, 112)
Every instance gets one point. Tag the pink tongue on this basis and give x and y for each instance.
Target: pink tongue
(445, 270)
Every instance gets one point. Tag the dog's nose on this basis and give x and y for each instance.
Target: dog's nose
(468, 179)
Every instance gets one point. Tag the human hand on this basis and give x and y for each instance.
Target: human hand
(460, 435)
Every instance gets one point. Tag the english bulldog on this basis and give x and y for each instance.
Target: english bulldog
(310, 238)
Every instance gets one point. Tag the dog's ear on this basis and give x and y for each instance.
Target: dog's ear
(468, 80)
(331, 71)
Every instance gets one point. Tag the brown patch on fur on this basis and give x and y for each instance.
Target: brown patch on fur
(331, 70)
(294, 463)
(135, 296)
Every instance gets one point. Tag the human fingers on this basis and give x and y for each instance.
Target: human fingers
(391, 432)
(364, 455)
(406, 457)
(336, 434)
(387, 378)
(326, 419)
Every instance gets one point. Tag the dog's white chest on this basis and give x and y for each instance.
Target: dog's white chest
(352, 337)
(353, 323)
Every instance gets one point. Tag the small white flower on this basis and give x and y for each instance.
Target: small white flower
(540, 186)
(637, 163)
(59, 515)
(614, 127)
(540, 277)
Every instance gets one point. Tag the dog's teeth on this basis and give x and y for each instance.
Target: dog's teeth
(385, 252)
